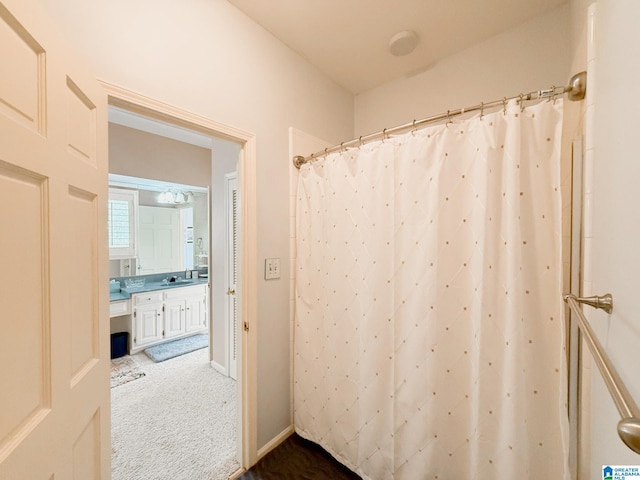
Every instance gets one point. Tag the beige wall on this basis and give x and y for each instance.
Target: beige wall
(208, 58)
(140, 154)
(527, 58)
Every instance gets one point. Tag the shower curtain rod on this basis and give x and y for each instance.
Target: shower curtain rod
(575, 90)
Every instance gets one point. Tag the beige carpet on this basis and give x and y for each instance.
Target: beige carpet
(178, 422)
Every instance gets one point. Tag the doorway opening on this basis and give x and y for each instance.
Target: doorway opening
(245, 290)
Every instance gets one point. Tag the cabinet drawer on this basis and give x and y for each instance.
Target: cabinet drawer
(122, 307)
(147, 298)
(182, 292)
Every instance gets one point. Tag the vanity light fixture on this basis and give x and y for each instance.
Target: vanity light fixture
(166, 197)
(179, 198)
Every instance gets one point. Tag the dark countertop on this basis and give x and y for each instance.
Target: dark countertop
(125, 293)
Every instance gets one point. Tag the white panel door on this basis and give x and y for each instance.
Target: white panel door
(232, 245)
(54, 330)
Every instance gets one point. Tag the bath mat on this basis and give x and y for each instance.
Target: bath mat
(124, 370)
(165, 351)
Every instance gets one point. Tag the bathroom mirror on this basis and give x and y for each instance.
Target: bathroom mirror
(171, 227)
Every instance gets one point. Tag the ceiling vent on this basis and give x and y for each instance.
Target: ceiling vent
(403, 43)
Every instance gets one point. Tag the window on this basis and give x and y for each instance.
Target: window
(122, 226)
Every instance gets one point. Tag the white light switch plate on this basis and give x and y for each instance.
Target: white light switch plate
(271, 268)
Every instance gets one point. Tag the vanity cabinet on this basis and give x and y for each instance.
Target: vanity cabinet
(168, 314)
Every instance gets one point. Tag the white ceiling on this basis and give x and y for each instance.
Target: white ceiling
(348, 39)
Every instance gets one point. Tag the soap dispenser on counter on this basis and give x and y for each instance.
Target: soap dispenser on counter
(114, 286)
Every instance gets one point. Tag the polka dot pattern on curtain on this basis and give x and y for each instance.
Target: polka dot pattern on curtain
(428, 334)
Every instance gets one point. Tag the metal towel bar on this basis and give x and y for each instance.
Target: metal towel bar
(629, 425)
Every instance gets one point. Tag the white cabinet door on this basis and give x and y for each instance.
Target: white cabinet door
(174, 318)
(147, 324)
(54, 340)
(196, 313)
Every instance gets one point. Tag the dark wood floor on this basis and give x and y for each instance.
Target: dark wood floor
(297, 458)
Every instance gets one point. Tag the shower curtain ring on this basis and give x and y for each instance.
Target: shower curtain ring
(521, 101)
(481, 110)
(413, 130)
(448, 117)
(360, 140)
(384, 134)
(504, 105)
(341, 147)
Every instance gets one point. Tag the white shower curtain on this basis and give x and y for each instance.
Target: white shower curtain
(428, 333)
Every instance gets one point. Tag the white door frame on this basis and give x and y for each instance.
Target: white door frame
(247, 291)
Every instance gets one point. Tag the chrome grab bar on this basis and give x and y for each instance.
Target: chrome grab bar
(629, 425)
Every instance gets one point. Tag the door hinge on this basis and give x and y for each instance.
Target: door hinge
(135, 313)
(245, 326)
(163, 308)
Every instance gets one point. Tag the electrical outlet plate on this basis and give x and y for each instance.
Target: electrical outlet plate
(271, 268)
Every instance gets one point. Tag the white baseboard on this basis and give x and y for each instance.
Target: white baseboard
(220, 368)
(275, 441)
